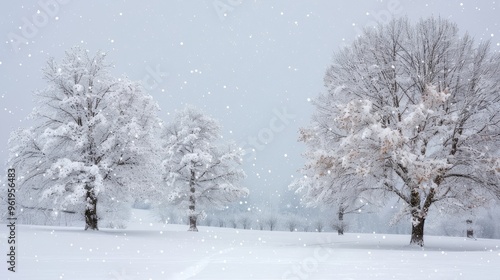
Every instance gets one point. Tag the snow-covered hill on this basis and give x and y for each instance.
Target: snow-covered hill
(150, 250)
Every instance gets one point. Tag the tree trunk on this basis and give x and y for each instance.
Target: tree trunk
(192, 205)
(417, 220)
(417, 231)
(91, 210)
(340, 229)
(470, 229)
(192, 219)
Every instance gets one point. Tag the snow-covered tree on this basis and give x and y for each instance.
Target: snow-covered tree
(199, 170)
(321, 186)
(410, 110)
(93, 142)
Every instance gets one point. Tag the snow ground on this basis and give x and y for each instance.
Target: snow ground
(150, 250)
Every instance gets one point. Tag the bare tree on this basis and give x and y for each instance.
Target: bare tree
(245, 221)
(291, 223)
(319, 225)
(233, 223)
(271, 222)
(306, 227)
(221, 222)
(261, 223)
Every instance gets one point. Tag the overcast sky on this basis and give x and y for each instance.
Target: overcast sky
(253, 65)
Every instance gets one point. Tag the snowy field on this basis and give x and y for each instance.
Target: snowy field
(149, 250)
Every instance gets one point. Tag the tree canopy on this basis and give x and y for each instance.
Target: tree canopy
(412, 111)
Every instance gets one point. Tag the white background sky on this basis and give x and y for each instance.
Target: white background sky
(264, 56)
